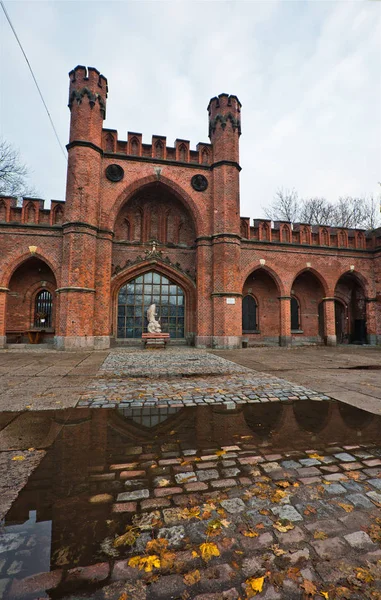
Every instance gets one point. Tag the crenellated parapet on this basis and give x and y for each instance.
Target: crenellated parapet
(88, 83)
(157, 150)
(30, 212)
(285, 232)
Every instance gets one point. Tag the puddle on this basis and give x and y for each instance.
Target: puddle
(107, 467)
(363, 368)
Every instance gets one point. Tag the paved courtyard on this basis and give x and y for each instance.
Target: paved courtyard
(204, 508)
(183, 378)
(351, 374)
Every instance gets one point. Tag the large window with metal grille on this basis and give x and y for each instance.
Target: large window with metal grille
(43, 306)
(137, 295)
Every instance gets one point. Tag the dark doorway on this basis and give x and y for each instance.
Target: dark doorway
(340, 322)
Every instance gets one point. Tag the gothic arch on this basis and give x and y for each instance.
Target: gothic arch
(277, 280)
(58, 215)
(360, 279)
(166, 183)
(30, 213)
(318, 276)
(9, 268)
(186, 283)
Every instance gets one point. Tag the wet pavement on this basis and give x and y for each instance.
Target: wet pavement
(45, 379)
(199, 479)
(199, 502)
(351, 374)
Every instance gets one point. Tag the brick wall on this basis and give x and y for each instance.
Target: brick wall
(122, 194)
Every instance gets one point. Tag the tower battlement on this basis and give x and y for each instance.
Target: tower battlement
(90, 76)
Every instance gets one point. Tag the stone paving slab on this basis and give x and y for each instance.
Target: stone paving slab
(45, 379)
(347, 373)
(184, 378)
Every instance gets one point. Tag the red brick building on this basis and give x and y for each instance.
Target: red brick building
(147, 223)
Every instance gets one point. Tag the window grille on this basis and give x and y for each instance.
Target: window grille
(43, 309)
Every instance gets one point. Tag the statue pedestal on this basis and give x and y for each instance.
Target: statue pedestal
(155, 340)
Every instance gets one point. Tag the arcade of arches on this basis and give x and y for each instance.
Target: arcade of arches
(150, 223)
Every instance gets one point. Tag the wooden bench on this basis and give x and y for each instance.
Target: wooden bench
(34, 335)
(155, 340)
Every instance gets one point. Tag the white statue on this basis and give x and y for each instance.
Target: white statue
(153, 325)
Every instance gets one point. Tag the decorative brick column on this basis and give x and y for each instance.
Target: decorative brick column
(3, 314)
(84, 291)
(371, 321)
(285, 338)
(224, 132)
(329, 321)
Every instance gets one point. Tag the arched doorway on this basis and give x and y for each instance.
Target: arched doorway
(31, 305)
(307, 292)
(350, 310)
(260, 308)
(134, 298)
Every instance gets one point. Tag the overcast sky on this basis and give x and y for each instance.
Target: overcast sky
(308, 74)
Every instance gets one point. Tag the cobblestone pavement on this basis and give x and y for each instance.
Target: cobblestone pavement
(301, 520)
(184, 378)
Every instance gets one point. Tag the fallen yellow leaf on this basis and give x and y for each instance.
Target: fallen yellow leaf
(283, 527)
(192, 577)
(276, 550)
(145, 562)
(220, 452)
(325, 595)
(320, 535)
(127, 539)
(18, 457)
(208, 550)
(347, 507)
(309, 587)
(250, 533)
(364, 575)
(255, 584)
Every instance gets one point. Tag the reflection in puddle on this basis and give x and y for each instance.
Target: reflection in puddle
(106, 463)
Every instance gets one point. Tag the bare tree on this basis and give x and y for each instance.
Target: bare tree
(285, 206)
(360, 213)
(316, 211)
(348, 211)
(13, 174)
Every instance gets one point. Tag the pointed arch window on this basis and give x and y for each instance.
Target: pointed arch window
(249, 314)
(295, 314)
(183, 153)
(138, 294)
(159, 149)
(134, 147)
(43, 309)
(205, 157)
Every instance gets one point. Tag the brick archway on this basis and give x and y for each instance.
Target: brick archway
(165, 183)
(28, 278)
(184, 282)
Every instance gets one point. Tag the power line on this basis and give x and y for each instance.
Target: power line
(34, 79)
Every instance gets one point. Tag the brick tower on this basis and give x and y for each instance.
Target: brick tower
(224, 132)
(81, 233)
